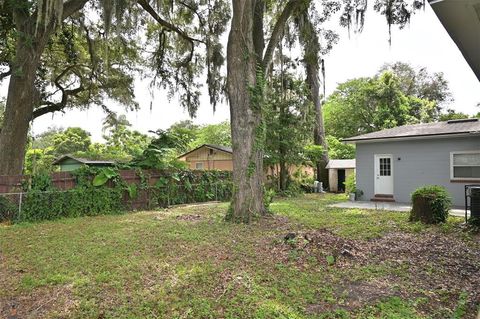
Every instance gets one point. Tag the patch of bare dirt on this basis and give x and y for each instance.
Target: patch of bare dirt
(429, 265)
(40, 303)
(189, 217)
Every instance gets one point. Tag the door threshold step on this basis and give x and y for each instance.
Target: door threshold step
(383, 199)
(384, 195)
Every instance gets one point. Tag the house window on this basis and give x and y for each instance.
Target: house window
(385, 166)
(465, 165)
(199, 165)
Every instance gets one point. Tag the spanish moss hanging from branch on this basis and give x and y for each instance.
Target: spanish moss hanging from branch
(49, 11)
(397, 12)
(357, 9)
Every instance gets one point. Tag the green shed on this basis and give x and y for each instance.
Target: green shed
(69, 163)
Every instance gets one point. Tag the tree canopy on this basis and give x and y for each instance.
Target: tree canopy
(365, 105)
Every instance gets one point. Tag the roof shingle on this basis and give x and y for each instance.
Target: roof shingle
(423, 130)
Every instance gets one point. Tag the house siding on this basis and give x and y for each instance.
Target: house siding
(218, 160)
(69, 165)
(415, 163)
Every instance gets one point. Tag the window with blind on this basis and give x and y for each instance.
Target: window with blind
(465, 165)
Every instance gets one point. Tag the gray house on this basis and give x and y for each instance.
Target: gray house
(392, 163)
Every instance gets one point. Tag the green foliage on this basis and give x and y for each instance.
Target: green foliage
(216, 134)
(161, 152)
(187, 132)
(71, 141)
(46, 139)
(288, 123)
(101, 191)
(438, 203)
(121, 141)
(330, 260)
(40, 182)
(339, 150)
(421, 84)
(80, 201)
(391, 98)
(453, 115)
(104, 176)
(268, 196)
(8, 209)
(461, 308)
(350, 184)
(39, 161)
(313, 153)
(182, 187)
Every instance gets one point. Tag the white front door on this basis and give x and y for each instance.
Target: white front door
(383, 174)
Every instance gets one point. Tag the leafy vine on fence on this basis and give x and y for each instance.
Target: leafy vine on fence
(100, 191)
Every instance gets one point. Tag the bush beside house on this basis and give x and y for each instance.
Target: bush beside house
(430, 204)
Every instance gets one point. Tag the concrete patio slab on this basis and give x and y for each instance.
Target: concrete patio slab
(398, 207)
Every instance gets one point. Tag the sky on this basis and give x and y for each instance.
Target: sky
(423, 43)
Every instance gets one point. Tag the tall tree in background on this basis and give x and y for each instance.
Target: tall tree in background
(366, 105)
(289, 117)
(71, 141)
(421, 84)
(309, 39)
(122, 142)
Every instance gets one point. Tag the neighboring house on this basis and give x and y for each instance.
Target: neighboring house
(209, 157)
(461, 19)
(338, 171)
(392, 163)
(69, 163)
(217, 157)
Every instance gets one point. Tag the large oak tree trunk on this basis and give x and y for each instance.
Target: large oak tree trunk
(22, 94)
(246, 117)
(21, 99)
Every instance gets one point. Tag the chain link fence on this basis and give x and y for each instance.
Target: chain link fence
(22, 206)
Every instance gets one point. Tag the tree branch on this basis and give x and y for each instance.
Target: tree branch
(146, 6)
(192, 8)
(72, 6)
(277, 33)
(56, 107)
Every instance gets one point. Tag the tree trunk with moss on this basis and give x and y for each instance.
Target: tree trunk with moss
(247, 62)
(246, 116)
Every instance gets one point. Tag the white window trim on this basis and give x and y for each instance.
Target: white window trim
(453, 178)
(196, 165)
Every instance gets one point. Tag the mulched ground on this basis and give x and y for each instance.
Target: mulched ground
(428, 265)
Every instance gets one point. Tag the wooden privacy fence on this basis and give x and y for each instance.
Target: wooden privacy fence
(149, 194)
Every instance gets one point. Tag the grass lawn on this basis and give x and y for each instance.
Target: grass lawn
(186, 262)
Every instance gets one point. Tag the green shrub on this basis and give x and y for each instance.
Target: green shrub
(8, 210)
(431, 204)
(350, 184)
